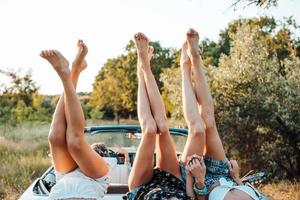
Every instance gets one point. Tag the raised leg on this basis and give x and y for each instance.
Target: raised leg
(142, 169)
(196, 137)
(214, 147)
(90, 163)
(61, 158)
(166, 152)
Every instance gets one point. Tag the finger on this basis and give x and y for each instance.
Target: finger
(202, 162)
(189, 168)
(189, 158)
(196, 156)
(194, 162)
(198, 163)
(234, 164)
(229, 166)
(192, 165)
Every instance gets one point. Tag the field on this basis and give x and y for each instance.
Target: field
(24, 156)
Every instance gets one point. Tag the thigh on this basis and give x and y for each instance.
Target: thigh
(142, 169)
(89, 161)
(194, 145)
(214, 147)
(61, 159)
(166, 156)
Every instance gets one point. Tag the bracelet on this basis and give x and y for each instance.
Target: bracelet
(202, 191)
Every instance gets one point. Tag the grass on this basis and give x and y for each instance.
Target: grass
(24, 157)
(284, 190)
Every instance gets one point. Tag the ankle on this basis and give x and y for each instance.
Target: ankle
(185, 70)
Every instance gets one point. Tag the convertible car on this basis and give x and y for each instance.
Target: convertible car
(114, 136)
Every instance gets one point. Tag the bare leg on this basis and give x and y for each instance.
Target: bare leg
(196, 137)
(142, 169)
(166, 152)
(90, 163)
(62, 160)
(214, 147)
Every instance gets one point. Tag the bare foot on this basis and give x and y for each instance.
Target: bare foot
(193, 43)
(149, 54)
(79, 62)
(142, 46)
(58, 62)
(185, 61)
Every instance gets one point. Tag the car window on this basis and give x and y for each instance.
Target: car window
(128, 140)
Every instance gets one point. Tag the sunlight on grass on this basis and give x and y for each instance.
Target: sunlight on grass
(282, 191)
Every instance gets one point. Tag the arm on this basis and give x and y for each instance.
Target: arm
(197, 170)
(234, 171)
(125, 153)
(189, 185)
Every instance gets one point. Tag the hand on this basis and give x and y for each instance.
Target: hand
(196, 167)
(123, 152)
(234, 171)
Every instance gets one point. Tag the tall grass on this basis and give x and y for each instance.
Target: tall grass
(23, 157)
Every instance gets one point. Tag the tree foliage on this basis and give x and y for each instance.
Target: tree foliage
(258, 3)
(20, 100)
(115, 87)
(257, 96)
(258, 102)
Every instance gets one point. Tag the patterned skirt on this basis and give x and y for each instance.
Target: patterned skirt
(162, 186)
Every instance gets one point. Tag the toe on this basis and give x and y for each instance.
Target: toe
(150, 49)
(51, 52)
(79, 43)
(46, 53)
(42, 54)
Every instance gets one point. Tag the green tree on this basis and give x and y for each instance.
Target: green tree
(21, 101)
(115, 87)
(257, 101)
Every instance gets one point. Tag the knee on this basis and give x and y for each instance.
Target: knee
(149, 127)
(163, 126)
(197, 129)
(57, 136)
(210, 123)
(75, 144)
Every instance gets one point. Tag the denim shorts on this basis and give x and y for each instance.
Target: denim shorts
(215, 169)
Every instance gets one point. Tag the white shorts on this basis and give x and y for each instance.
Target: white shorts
(77, 185)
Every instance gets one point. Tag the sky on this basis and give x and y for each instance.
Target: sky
(106, 26)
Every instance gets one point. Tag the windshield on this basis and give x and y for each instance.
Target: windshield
(128, 140)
